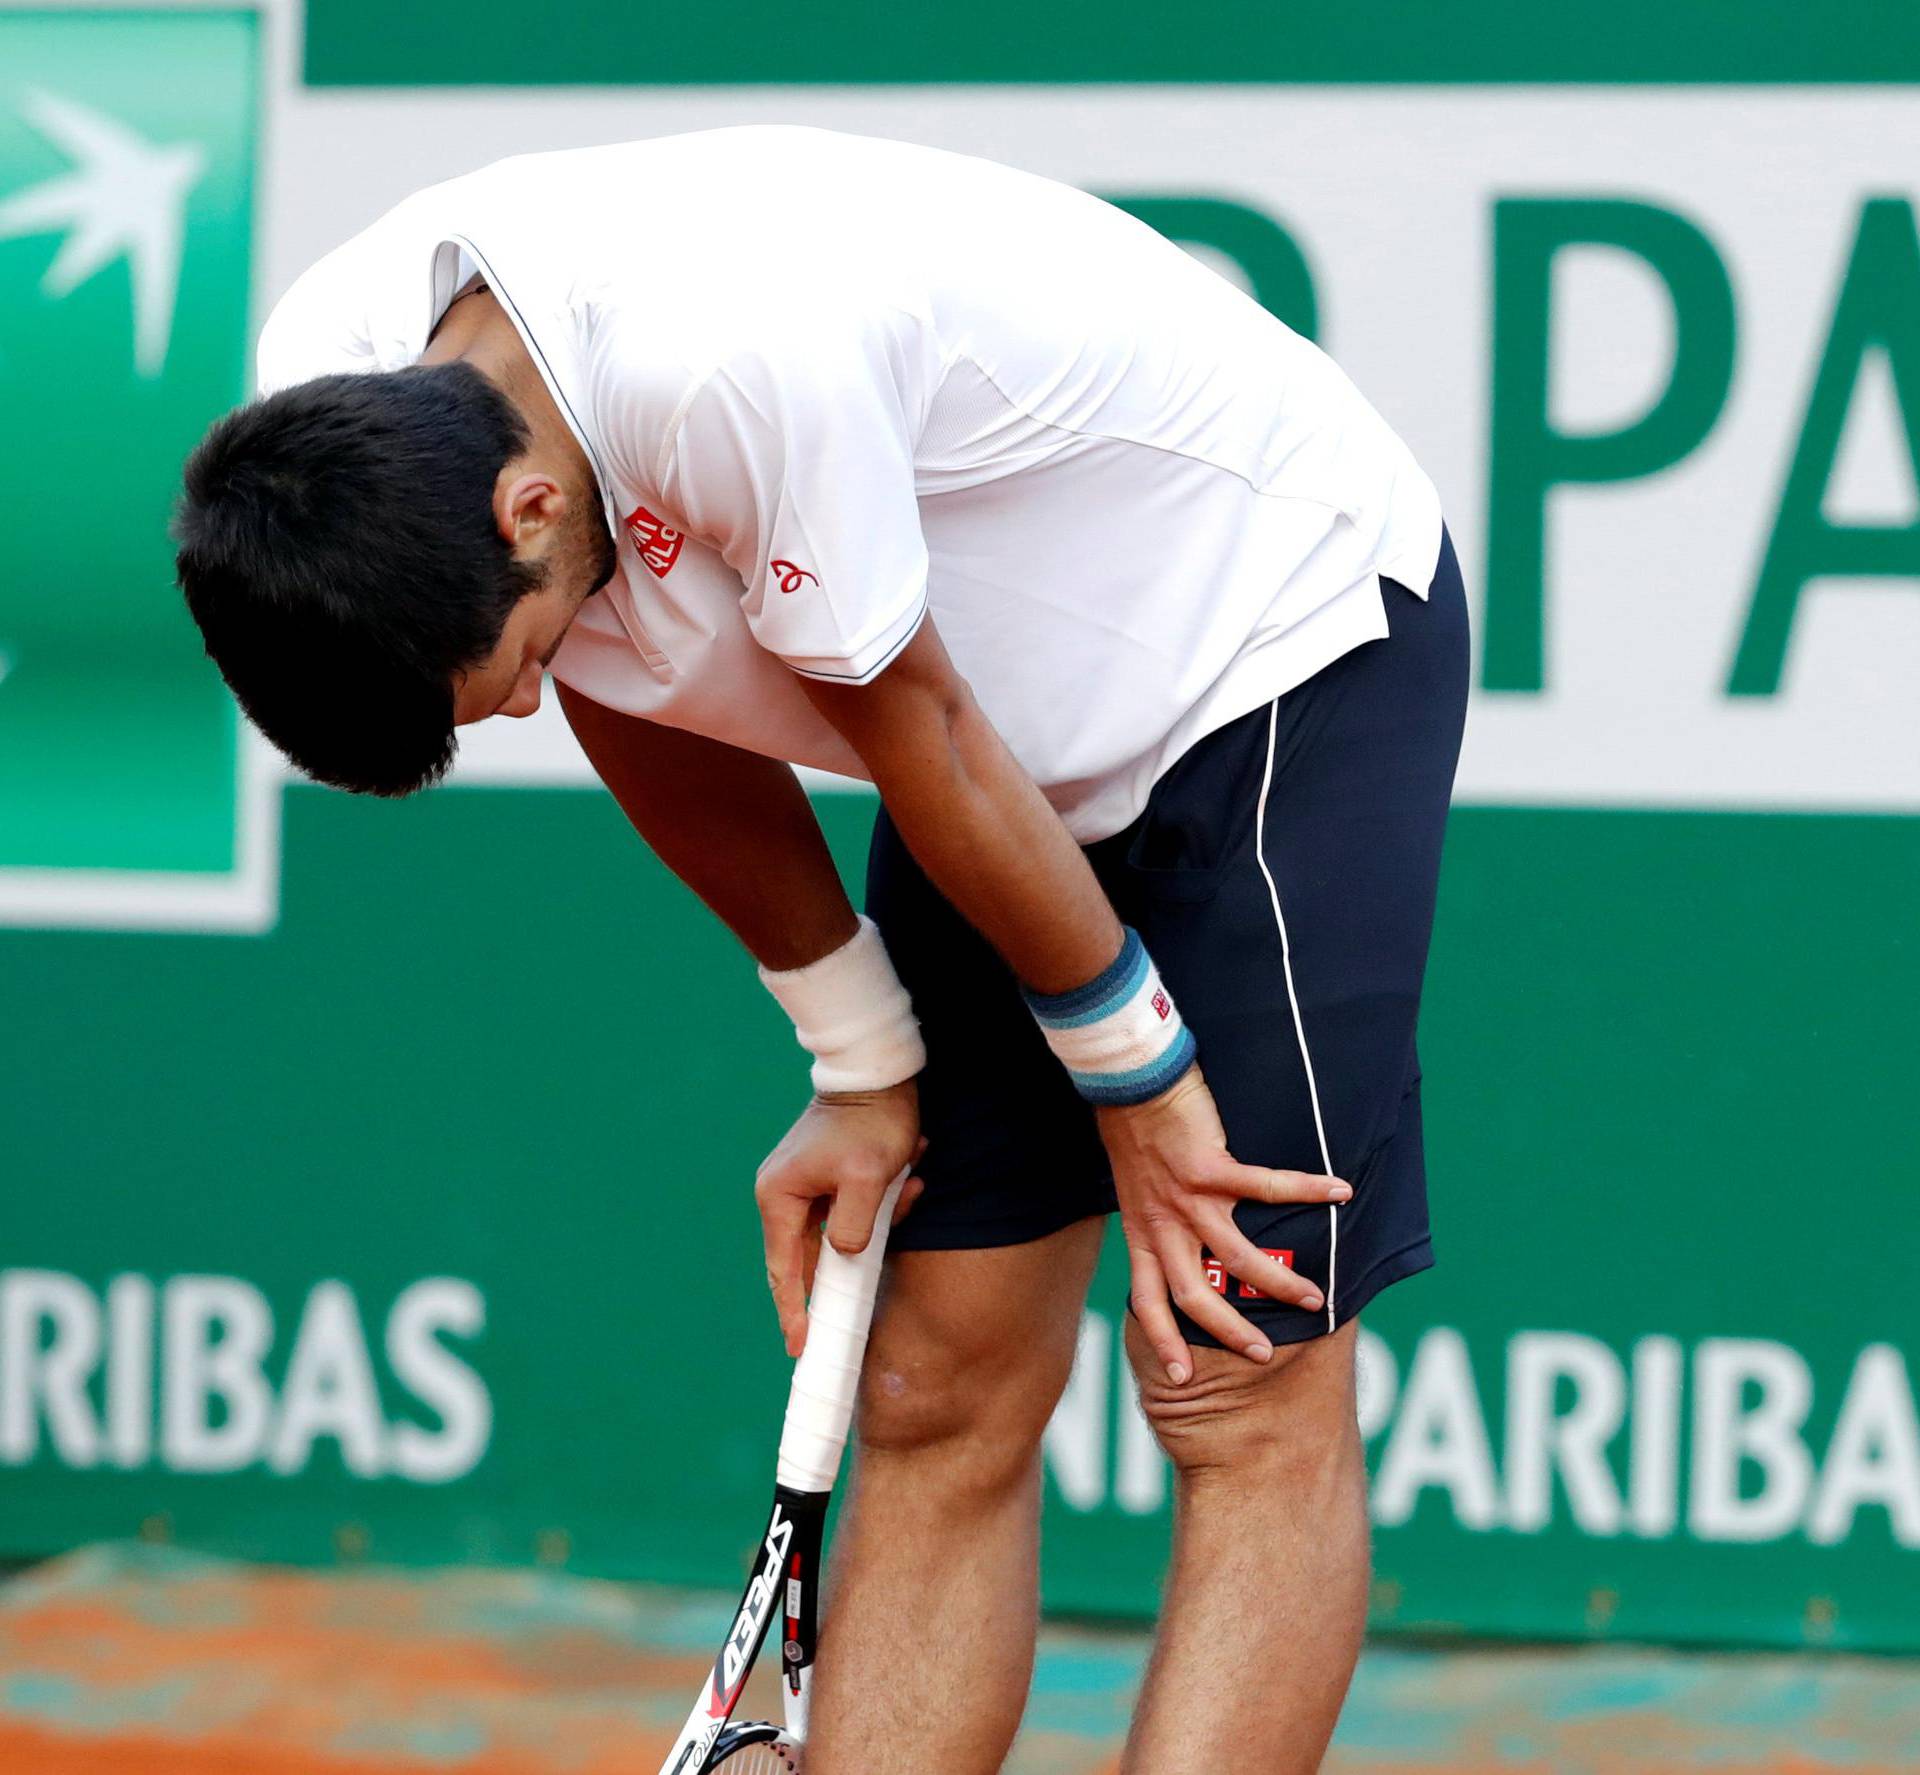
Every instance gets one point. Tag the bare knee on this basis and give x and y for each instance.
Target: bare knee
(1290, 1420)
(962, 1372)
(924, 1390)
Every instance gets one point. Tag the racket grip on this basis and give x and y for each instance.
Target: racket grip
(826, 1379)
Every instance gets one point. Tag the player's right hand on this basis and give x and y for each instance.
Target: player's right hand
(1177, 1186)
(832, 1166)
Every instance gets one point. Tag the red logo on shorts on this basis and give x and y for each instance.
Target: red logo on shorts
(791, 576)
(1217, 1278)
(1162, 1006)
(658, 542)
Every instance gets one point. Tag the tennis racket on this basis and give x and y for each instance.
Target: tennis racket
(786, 1571)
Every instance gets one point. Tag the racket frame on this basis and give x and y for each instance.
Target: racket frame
(785, 1579)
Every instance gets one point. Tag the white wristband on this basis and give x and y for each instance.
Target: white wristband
(852, 1015)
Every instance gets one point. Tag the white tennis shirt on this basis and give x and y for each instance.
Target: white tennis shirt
(829, 383)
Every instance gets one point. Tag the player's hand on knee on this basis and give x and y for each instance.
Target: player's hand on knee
(830, 1170)
(1177, 1185)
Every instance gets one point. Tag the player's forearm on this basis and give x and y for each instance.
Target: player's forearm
(735, 827)
(762, 866)
(993, 845)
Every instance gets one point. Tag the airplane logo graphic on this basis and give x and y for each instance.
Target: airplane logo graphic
(125, 198)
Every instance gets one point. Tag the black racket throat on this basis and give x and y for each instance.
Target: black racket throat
(783, 1586)
(799, 1612)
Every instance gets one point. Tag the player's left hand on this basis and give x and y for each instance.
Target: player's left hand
(833, 1165)
(1177, 1185)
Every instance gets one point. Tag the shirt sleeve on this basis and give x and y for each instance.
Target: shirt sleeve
(316, 329)
(285, 358)
(361, 307)
(795, 460)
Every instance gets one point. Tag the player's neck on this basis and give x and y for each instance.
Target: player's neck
(477, 330)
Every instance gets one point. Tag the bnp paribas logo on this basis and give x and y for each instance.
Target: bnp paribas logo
(123, 198)
(127, 147)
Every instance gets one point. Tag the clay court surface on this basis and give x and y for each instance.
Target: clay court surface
(148, 1661)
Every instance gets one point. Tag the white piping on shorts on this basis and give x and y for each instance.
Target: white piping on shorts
(1293, 998)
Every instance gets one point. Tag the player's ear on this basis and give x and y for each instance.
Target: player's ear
(526, 505)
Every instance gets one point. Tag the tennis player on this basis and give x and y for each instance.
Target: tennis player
(777, 446)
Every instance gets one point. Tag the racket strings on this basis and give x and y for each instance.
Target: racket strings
(760, 1759)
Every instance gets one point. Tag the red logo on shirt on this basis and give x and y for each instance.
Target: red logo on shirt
(1216, 1273)
(791, 576)
(658, 542)
(1162, 1006)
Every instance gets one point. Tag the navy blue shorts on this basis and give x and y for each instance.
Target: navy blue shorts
(1362, 761)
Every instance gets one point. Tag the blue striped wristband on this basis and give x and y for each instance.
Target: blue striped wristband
(1120, 1036)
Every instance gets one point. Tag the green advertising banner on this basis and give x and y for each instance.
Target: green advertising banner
(1076, 42)
(127, 147)
(383, 1233)
(343, 1210)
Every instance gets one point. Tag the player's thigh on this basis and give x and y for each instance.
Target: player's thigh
(1283, 875)
(973, 1343)
(1013, 1155)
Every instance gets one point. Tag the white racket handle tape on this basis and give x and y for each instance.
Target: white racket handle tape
(826, 1379)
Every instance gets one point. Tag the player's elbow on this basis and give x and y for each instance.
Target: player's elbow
(917, 717)
(948, 741)
(949, 710)
(925, 681)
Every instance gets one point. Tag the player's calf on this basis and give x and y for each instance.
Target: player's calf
(928, 1645)
(1266, 1599)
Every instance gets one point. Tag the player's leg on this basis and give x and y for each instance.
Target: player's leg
(927, 1648)
(927, 1644)
(1266, 1599)
(1284, 877)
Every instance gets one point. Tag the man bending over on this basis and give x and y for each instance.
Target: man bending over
(778, 446)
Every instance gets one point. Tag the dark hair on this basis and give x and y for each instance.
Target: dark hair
(339, 552)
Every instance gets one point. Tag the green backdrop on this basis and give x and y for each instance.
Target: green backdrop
(116, 741)
(394, 1229)
(361, 42)
(1650, 1115)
